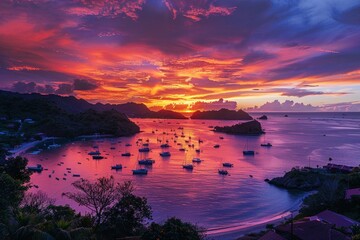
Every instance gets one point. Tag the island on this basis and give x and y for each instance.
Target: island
(248, 128)
(263, 117)
(222, 114)
(25, 119)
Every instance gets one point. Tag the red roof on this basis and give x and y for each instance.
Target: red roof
(312, 230)
(271, 236)
(337, 219)
(352, 192)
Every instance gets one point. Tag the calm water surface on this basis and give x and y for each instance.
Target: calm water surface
(202, 196)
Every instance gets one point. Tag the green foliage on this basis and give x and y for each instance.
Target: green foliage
(98, 197)
(11, 192)
(173, 229)
(126, 217)
(16, 168)
(328, 195)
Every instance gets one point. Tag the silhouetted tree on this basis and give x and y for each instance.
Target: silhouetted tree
(98, 196)
(173, 229)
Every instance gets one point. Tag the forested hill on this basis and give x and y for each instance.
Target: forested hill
(71, 104)
(48, 118)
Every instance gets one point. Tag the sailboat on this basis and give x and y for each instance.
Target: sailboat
(187, 166)
(265, 144)
(140, 171)
(248, 152)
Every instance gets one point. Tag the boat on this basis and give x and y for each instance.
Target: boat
(223, 172)
(197, 150)
(127, 154)
(221, 137)
(141, 171)
(76, 175)
(93, 153)
(266, 145)
(54, 145)
(147, 161)
(226, 164)
(37, 168)
(145, 149)
(188, 166)
(248, 152)
(197, 160)
(127, 145)
(97, 157)
(182, 149)
(216, 146)
(145, 144)
(165, 154)
(164, 145)
(117, 167)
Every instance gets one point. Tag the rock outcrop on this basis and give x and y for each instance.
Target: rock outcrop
(247, 128)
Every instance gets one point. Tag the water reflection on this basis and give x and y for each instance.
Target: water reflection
(202, 195)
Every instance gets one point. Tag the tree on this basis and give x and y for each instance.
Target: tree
(98, 197)
(173, 229)
(11, 193)
(16, 168)
(127, 216)
(36, 202)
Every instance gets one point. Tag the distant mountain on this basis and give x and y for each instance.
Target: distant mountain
(47, 117)
(248, 128)
(73, 105)
(222, 114)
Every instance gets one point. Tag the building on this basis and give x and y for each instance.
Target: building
(352, 193)
(271, 235)
(310, 230)
(334, 219)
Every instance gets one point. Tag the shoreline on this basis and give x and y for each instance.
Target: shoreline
(236, 231)
(26, 146)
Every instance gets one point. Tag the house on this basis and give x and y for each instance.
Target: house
(334, 218)
(310, 230)
(351, 193)
(338, 168)
(271, 235)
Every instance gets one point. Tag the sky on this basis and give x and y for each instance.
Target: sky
(185, 55)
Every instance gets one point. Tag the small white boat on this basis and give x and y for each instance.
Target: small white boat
(216, 146)
(93, 153)
(117, 167)
(266, 145)
(223, 172)
(165, 154)
(97, 157)
(226, 164)
(37, 168)
(147, 161)
(51, 146)
(141, 171)
(188, 166)
(248, 152)
(127, 154)
(197, 160)
(145, 149)
(165, 145)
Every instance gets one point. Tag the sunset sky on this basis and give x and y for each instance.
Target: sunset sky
(183, 52)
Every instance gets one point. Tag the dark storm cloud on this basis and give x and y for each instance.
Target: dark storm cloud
(322, 65)
(349, 16)
(84, 85)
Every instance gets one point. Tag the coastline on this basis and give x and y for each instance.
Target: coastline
(26, 146)
(236, 231)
